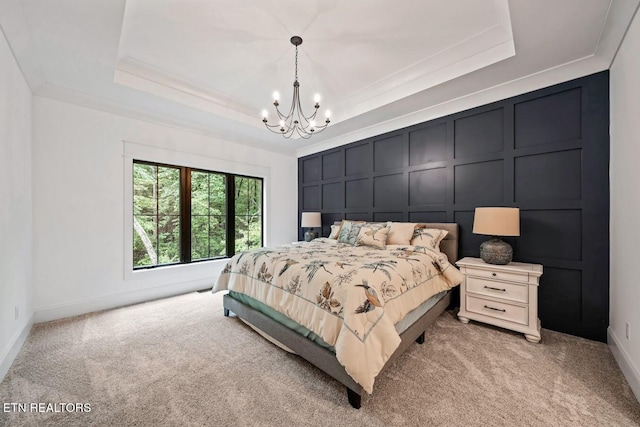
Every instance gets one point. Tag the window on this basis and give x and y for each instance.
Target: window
(183, 215)
(156, 215)
(208, 215)
(248, 213)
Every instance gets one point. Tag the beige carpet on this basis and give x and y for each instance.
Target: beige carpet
(178, 361)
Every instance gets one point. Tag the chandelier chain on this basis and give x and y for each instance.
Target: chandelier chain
(296, 63)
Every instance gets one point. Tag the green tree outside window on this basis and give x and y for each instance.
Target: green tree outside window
(171, 203)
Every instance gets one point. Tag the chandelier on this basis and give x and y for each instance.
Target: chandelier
(295, 122)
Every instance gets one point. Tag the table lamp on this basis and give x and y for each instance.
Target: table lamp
(496, 222)
(310, 220)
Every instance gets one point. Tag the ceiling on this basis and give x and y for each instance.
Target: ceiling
(212, 66)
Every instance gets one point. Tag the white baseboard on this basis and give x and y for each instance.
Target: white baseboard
(76, 308)
(627, 367)
(9, 354)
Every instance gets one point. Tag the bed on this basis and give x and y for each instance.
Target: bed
(349, 309)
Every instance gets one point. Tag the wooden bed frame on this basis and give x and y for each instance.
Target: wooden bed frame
(325, 359)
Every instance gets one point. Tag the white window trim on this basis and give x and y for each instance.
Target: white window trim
(148, 153)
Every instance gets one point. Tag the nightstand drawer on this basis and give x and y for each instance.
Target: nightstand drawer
(499, 310)
(500, 275)
(492, 288)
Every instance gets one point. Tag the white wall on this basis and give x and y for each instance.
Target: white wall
(82, 205)
(625, 206)
(15, 207)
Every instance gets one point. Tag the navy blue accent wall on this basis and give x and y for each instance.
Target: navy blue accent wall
(546, 152)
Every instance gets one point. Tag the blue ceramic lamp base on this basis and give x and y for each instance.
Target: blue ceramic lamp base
(496, 251)
(309, 235)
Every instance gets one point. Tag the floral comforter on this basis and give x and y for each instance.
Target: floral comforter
(349, 296)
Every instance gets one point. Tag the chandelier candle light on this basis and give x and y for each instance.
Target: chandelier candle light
(295, 122)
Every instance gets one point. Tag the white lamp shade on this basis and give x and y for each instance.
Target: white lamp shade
(497, 221)
(311, 219)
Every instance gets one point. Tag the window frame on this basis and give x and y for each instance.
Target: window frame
(262, 196)
(135, 268)
(185, 213)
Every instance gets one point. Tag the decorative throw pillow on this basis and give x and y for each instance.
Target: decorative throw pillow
(374, 235)
(429, 237)
(349, 231)
(400, 233)
(335, 230)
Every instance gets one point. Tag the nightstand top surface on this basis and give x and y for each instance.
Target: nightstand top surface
(533, 269)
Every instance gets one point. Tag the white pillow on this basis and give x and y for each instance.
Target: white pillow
(400, 233)
(335, 230)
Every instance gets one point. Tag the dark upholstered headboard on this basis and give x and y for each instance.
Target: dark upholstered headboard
(449, 245)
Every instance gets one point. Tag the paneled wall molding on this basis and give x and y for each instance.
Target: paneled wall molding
(546, 152)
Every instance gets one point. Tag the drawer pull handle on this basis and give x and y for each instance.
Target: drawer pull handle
(495, 289)
(496, 309)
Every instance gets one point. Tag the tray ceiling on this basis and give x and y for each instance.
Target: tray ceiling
(213, 65)
(205, 54)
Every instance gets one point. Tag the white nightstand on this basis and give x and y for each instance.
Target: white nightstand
(501, 295)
